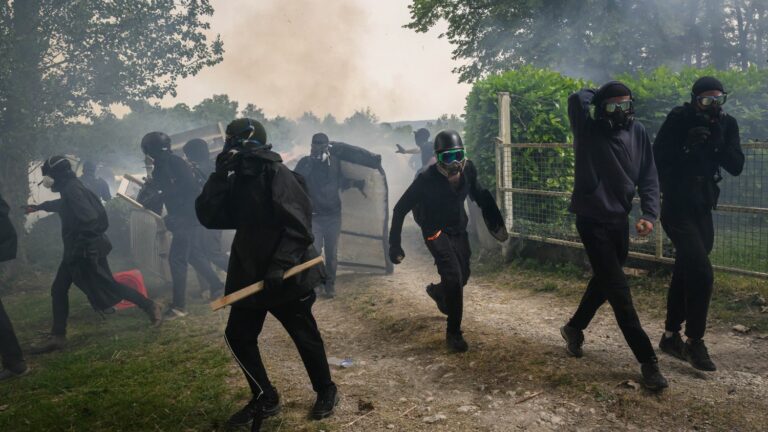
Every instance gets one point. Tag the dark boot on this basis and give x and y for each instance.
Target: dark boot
(673, 346)
(271, 404)
(456, 342)
(14, 371)
(434, 292)
(155, 313)
(327, 399)
(697, 355)
(51, 343)
(251, 413)
(574, 339)
(652, 377)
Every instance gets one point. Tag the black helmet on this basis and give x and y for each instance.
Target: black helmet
(155, 143)
(55, 166)
(196, 150)
(245, 130)
(448, 140)
(421, 135)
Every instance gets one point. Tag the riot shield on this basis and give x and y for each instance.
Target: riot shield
(365, 211)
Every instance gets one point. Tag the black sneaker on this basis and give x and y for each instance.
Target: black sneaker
(456, 342)
(433, 291)
(271, 405)
(327, 400)
(51, 343)
(574, 339)
(652, 377)
(697, 355)
(14, 372)
(246, 415)
(328, 293)
(673, 346)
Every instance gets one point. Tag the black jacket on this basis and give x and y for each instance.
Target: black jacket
(688, 177)
(173, 177)
(7, 234)
(83, 219)
(97, 185)
(610, 166)
(437, 206)
(268, 206)
(325, 183)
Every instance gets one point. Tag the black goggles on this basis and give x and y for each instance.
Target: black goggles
(451, 156)
(712, 100)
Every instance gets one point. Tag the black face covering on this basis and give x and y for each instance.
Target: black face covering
(619, 119)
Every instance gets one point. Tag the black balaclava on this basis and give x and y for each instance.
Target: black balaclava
(705, 84)
(56, 170)
(89, 168)
(196, 150)
(320, 148)
(618, 119)
(421, 136)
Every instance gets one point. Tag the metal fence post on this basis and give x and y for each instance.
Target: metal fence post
(505, 136)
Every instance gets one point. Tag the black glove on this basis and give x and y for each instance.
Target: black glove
(273, 279)
(227, 161)
(696, 139)
(396, 254)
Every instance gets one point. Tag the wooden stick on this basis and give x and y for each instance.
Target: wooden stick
(258, 286)
(527, 398)
(136, 204)
(359, 418)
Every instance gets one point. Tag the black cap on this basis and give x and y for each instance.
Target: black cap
(448, 140)
(320, 139)
(610, 90)
(705, 84)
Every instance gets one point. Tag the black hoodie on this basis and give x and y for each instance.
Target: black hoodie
(611, 166)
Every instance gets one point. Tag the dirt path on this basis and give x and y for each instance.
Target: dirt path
(516, 375)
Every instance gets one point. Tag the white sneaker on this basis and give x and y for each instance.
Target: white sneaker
(173, 313)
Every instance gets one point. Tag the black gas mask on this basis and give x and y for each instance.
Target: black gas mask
(320, 148)
(709, 105)
(244, 132)
(613, 113)
(618, 115)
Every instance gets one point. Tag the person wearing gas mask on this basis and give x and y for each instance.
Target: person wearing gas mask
(173, 184)
(437, 198)
(10, 352)
(695, 142)
(209, 241)
(96, 185)
(423, 148)
(252, 192)
(86, 246)
(322, 172)
(614, 161)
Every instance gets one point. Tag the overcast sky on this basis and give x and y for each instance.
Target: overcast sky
(292, 56)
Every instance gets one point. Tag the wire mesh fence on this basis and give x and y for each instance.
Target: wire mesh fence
(534, 183)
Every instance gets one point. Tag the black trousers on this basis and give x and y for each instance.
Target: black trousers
(607, 246)
(89, 276)
(242, 337)
(690, 291)
(327, 229)
(209, 241)
(182, 253)
(451, 253)
(10, 351)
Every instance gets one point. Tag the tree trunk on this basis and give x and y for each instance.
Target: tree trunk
(22, 112)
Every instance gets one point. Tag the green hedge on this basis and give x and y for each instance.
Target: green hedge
(539, 113)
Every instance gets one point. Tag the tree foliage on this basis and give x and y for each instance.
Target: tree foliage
(66, 60)
(597, 38)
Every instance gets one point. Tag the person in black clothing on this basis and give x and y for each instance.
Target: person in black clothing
(173, 184)
(437, 198)
(614, 160)
(86, 246)
(97, 185)
(325, 181)
(694, 143)
(423, 147)
(10, 351)
(252, 192)
(209, 241)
